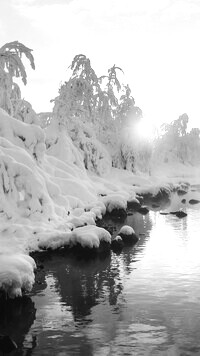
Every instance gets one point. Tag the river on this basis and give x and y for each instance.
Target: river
(143, 301)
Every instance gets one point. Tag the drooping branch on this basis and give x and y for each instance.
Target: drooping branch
(10, 59)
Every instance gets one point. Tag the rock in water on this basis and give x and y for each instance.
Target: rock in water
(179, 213)
(118, 214)
(181, 192)
(128, 235)
(143, 210)
(7, 345)
(117, 244)
(194, 201)
(133, 204)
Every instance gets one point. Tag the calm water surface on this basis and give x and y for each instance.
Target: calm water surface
(144, 301)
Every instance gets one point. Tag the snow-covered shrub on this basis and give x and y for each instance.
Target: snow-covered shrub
(59, 144)
(176, 144)
(95, 156)
(44, 118)
(23, 111)
(23, 192)
(124, 157)
(5, 91)
(134, 153)
(192, 146)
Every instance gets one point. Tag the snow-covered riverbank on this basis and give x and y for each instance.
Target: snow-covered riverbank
(49, 200)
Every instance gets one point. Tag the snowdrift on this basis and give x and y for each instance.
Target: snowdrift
(47, 199)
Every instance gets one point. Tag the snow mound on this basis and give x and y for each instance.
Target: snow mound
(114, 201)
(16, 274)
(29, 137)
(60, 145)
(87, 236)
(91, 236)
(128, 235)
(46, 199)
(126, 230)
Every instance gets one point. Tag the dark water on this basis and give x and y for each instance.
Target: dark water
(144, 301)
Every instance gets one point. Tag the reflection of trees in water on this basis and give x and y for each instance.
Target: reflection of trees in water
(84, 283)
(81, 283)
(142, 224)
(16, 318)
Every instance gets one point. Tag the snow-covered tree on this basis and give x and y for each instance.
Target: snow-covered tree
(11, 66)
(176, 144)
(103, 104)
(78, 96)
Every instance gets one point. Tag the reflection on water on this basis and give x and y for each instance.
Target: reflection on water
(16, 318)
(144, 301)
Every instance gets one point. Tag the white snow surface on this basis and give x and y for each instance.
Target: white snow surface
(49, 200)
(127, 230)
(16, 273)
(46, 199)
(87, 236)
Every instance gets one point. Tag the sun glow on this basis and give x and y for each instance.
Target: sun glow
(144, 130)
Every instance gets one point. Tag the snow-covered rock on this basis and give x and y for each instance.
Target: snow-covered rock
(16, 273)
(128, 234)
(117, 244)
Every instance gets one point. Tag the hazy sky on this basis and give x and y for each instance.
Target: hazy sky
(155, 42)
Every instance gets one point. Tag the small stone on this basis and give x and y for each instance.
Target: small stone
(143, 210)
(181, 192)
(179, 214)
(194, 201)
(130, 213)
(139, 198)
(183, 201)
(117, 244)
